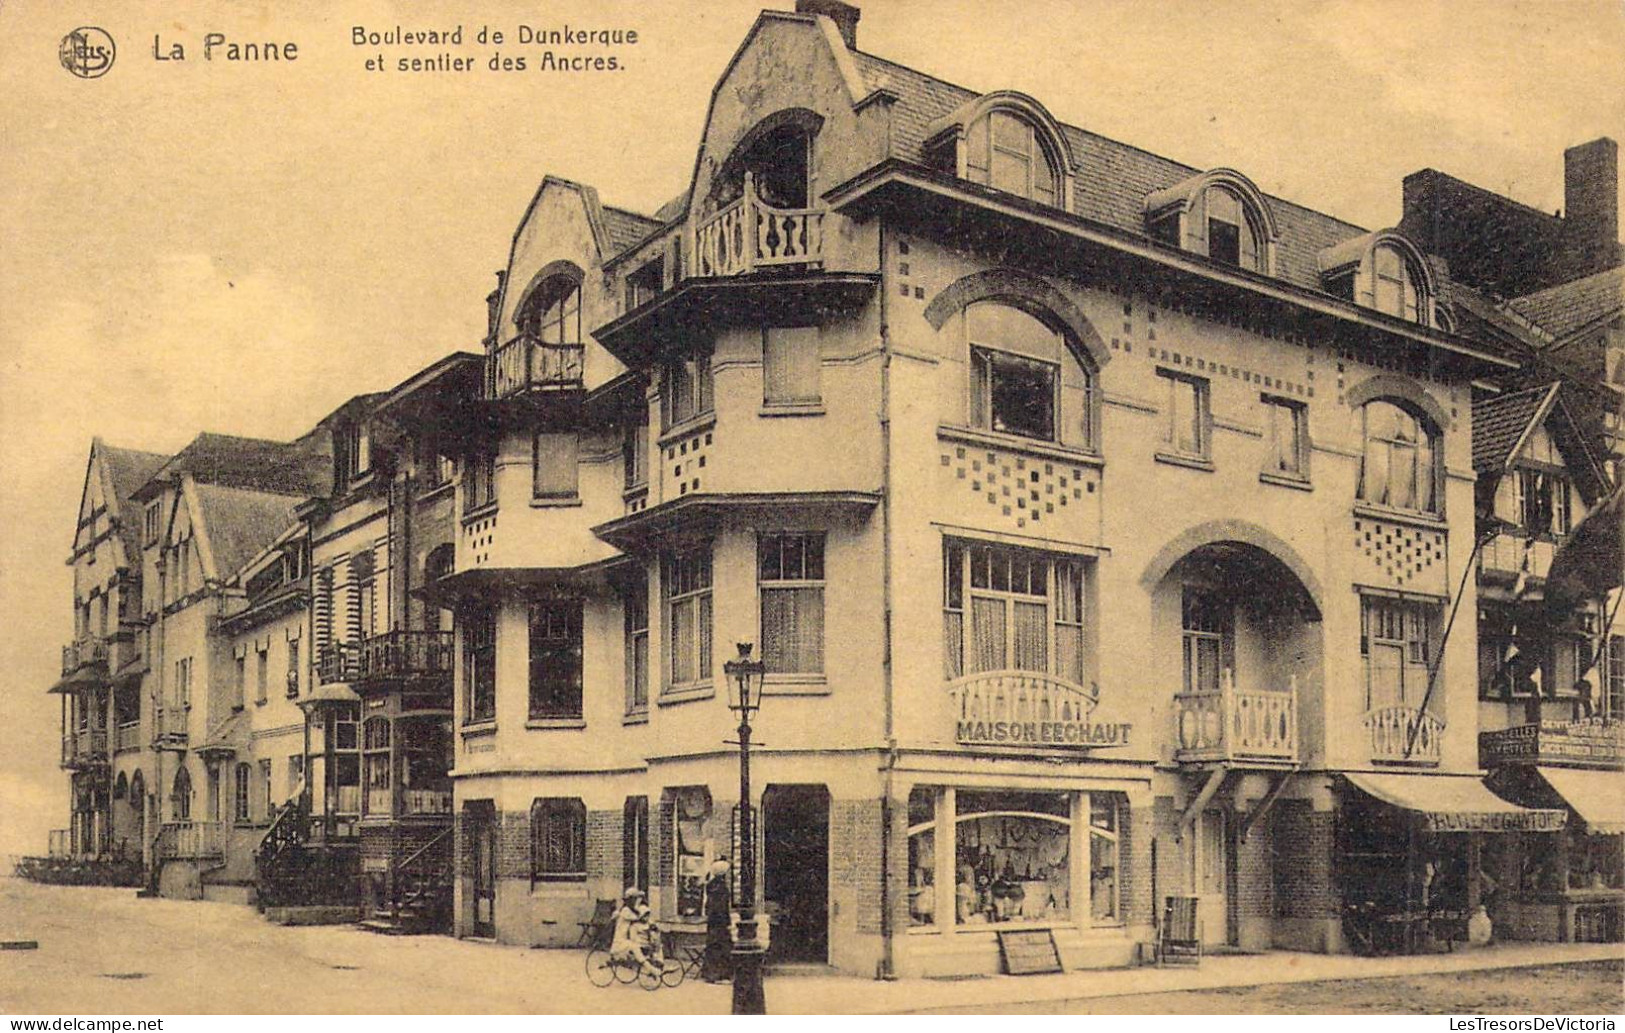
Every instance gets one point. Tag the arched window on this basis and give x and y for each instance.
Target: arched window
(552, 313)
(180, 796)
(548, 352)
(1233, 235)
(1394, 284)
(1400, 465)
(1024, 378)
(1006, 152)
(441, 561)
(558, 839)
(121, 787)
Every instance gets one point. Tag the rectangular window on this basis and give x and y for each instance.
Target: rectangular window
(555, 659)
(244, 775)
(790, 365)
(154, 519)
(268, 801)
(1208, 629)
(1543, 499)
(183, 682)
(355, 447)
(686, 583)
(1286, 438)
(1397, 642)
(239, 683)
(480, 665)
(635, 453)
(1614, 703)
(1013, 394)
(554, 466)
(1106, 812)
(296, 773)
(262, 675)
(687, 390)
(293, 668)
(790, 575)
(1186, 430)
(479, 481)
(558, 839)
(643, 285)
(1012, 609)
(635, 611)
(1224, 241)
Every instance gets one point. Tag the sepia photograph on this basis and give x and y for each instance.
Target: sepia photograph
(683, 508)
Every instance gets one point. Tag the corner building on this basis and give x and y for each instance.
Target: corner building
(1099, 520)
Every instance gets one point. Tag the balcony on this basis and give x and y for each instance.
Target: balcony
(192, 840)
(84, 748)
(750, 236)
(84, 653)
(1404, 735)
(525, 364)
(127, 736)
(169, 727)
(1246, 726)
(405, 654)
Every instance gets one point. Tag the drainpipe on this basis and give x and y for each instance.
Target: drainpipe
(888, 969)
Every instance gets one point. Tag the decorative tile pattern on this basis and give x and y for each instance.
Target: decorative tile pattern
(1400, 555)
(478, 537)
(683, 463)
(1021, 491)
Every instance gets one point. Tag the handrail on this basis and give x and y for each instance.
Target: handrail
(524, 361)
(749, 234)
(1012, 695)
(1404, 734)
(1238, 723)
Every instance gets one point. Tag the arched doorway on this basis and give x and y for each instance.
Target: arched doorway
(138, 804)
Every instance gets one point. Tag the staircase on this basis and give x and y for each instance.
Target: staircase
(418, 890)
(293, 871)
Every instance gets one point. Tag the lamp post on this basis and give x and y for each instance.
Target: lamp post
(743, 675)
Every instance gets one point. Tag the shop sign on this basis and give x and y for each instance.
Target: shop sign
(1494, 821)
(1590, 743)
(1029, 952)
(1042, 733)
(1027, 708)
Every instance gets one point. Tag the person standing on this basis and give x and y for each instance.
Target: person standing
(718, 964)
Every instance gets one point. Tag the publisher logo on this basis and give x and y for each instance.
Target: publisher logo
(87, 52)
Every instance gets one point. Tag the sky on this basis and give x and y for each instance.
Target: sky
(206, 245)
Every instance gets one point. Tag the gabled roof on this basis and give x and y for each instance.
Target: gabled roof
(1576, 305)
(256, 464)
(1500, 423)
(128, 469)
(626, 228)
(240, 523)
(1113, 179)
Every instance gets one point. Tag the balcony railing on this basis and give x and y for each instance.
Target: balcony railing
(169, 724)
(405, 654)
(128, 736)
(1404, 735)
(60, 843)
(339, 662)
(1234, 724)
(192, 840)
(1022, 708)
(526, 363)
(85, 746)
(749, 235)
(1505, 554)
(426, 801)
(82, 653)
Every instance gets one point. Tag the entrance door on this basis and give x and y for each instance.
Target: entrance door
(795, 869)
(482, 835)
(1213, 877)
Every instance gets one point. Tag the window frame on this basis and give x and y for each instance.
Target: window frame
(241, 792)
(555, 631)
(964, 588)
(478, 633)
(1411, 305)
(564, 465)
(675, 593)
(1250, 249)
(1428, 441)
(1202, 404)
(547, 812)
(805, 582)
(983, 148)
(479, 481)
(687, 391)
(1195, 634)
(1277, 408)
(636, 642)
(794, 342)
(1415, 651)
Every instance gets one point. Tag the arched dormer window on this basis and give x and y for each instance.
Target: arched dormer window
(1025, 379)
(777, 154)
(1220, 214)
(1382, 271)
(552, 312)
(547, 353)
(1007, 141)
(1401, 462)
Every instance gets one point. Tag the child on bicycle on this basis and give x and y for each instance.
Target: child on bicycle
(634, 930)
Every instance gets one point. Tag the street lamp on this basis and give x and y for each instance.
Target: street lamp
(744, 675)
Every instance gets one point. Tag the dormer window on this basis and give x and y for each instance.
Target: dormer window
(1004, 152)
(1382, 271)
(355, 447)
(1232, 236)
(1219, 213)
(1396, 292)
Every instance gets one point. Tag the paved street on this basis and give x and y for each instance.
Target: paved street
(105, 951)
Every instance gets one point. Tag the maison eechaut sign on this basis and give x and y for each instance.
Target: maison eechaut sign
(1025, 708)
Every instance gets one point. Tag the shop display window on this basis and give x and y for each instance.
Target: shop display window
(922, 856)
(691, 809)
(1011, 857)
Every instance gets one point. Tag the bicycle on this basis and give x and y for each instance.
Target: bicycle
(604, 968)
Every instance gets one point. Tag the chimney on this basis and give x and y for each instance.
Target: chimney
(845, 17)
(1591, 197)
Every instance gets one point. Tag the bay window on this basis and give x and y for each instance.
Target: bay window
(1008, 608)
(790, 573)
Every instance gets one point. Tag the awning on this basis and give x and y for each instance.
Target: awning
(1598, 797)
(1455, 803)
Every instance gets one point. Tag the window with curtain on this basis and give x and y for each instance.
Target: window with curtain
(555, 659)
(558, 839)
(479, 665)
(686, 584)
(790, 577)
(1012, 609)
(1394, 284)
(635, 614)
(1017, 368)
(1400, 462)
(554, 466)
(790, 365)
(686, 392)
(1397, 640)
(1005, 151)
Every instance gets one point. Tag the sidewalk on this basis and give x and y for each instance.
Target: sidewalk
(846, 995)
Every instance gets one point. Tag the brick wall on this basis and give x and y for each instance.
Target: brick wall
(604, 849)
(1303, 840)
(1255, 885)
(855, 848)
(1134, 865)
(513, 845)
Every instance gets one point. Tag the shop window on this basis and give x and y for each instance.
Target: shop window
(480, 665)
(790, 365)
(558, 839)
(244, 775)
(1006, 152)
(1107, 812)
(790, 573)
(1286, 438)
(555, 659)
(1400, 463)
(554, 466)
(922, 856)
(1397, 641)
(1207, 623)
(691, 809)
(1024, 611)
(686, 390)
(1012, 857)
(1188, 421)
(1614, 702)
(375, 764)
(686, 583)
(635, 614)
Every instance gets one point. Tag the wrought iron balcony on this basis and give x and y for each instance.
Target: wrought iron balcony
(1238, 725)
(526, 363)
(1404, 735)
(84, 748)
(406, 654)
(750, 235)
